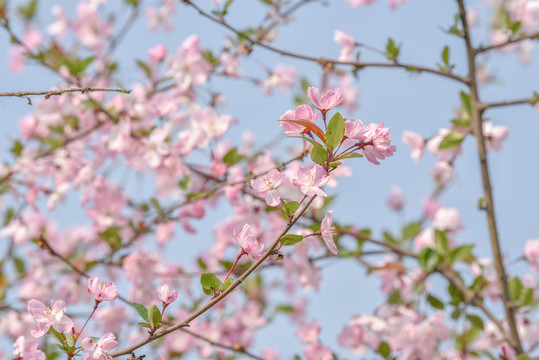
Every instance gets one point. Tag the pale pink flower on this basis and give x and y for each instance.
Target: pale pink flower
(531, 254)
(59, 27)
(248, 242)
(112, 318)
(282, 78)
(327, 230)
(430, 207)
(349, 92)
(416, 142)
(158, 53)
(308, 333)
(347, 43)
(355, 129)
(311, 178)
(325, 101)
(525, 51)
(379, 143)
(49, 316)
(448, 220)
(500, 36)
(302, 112)
(472, 16)
(101, 290)
(425, 239)
(356, 3)
(393, 3)
(98, 351)
(352, 337)
(166, 296)
(266, 186)
(396, 201)
(25, 349)
(443, 173)
(230, 64)
(494, 135)
(318, 352)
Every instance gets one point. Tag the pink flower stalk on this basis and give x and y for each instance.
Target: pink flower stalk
(396, 201)
(166, 296)
(327, 230)
(101, 290)
(248, 242)
(494, 135)
(302, 112)
(49, 316)
(347, 43)
(311, 178)
(325, 101)
(381, 144)
(266, 186)
(27, 350)
(98, 351)
(416, 142)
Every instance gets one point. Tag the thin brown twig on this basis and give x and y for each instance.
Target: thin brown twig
(326, 61)
(528, 101)
(482, 49)
(477, 124)
(49, 93)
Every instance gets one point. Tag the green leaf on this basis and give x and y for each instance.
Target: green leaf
(227, 284)
(428, 259)
(392, 49)
(476, 321)
(435, 302)
(28, 10)
(144, 324)
(142, 311)
(466, 103)
(334, 164)
(441, 243)
(462, 253)
(185, 183)
(10, 213)
(133, 3)
(384, 349)
(411, 230)
(314, 143)
(290, 239)
(451, 140)
(523, 357)
(16, 148)
(72, 121)
(54, 143)
(526, 297)
(290, 207)
(461, 122)
(232, 157)
(455, 314)
(112, 237)
(319, 155)
(144, 67)
(445, 55)
(154, 315)
(350, 156)
(210, 283)
(515, 288)
(335, 131)
(19, 266)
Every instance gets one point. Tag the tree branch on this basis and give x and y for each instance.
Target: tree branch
(49, 93)
(482, 49)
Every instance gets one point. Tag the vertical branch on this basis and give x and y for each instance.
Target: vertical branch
(477, 112)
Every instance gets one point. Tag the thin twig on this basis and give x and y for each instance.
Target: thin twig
(477, 124)
(50, 93)
(528, 101)
(510, 41)
(325, 61)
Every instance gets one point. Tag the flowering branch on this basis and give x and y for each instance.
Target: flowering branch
(50, 93)
(323, 61)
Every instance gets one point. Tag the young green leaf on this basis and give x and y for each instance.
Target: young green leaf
(142, 311)
(335, 131)
(154, 315)
(290, 239)
(319, 155)
(451, 141)
(290, 207)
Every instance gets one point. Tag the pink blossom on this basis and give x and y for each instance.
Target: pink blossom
(430, 207)
(443, 173)
(166, 296)
(494, 135)
(49, 316)
(328, 231)
(158, 53)
(59, 27)
(416, 142)
(500, 36)
(101, 290)
(347, 44)
(352, 337)
(396, 201)
(25, 349)
(308, 333)
(248, 242)
(325, 101)
(472, 16)
(393, 3)
(448, 220)
(318, 352)
(425, 239)
(282, 78)
(230, 64)
(378, 143)
(349, 92)
(531, 253)
(98, 351)
(302, 112)
(355, 129)
(266, 186)
(356, 3)
(112, 318)
(311, 178)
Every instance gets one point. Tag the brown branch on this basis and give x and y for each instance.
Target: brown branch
(221, 296)
(50, 93)
(325, 61)
(482, 49)
(477, 125)
(529, 101)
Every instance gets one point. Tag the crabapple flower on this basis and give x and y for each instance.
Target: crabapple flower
(396, 201)
(308, 333)
(380, 146)
(248, 242)
(101, 290)
(416, 142)
(166, 296)
(347, 44)
(531, 253)
(448, 220)
(302, 112)
(49, 316)
(27, 350)
(494, 135)
(311, 178)
(327, 230)
(266, 186)
(97, 351)
(443, 173)
(282, 78)
(325, 101)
